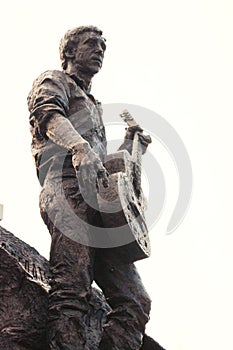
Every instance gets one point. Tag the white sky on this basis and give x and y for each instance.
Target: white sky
(173, 57)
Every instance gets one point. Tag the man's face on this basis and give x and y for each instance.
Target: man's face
(89, 53)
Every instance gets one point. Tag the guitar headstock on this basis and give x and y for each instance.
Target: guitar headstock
(127, 117)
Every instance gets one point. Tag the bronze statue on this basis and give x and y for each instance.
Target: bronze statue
(67, 131)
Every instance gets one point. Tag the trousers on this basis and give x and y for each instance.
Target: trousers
(75, 265)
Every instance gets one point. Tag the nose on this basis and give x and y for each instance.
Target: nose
(99, 49)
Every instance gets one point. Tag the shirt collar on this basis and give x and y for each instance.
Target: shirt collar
(80, 82)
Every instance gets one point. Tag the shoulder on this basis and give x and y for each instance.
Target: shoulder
(53, 75)
(55, 82)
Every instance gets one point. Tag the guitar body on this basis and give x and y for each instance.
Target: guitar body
(122, 210)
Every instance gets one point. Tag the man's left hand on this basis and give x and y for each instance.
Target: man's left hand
(145, 140)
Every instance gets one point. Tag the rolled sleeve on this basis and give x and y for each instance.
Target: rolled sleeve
(49, 96)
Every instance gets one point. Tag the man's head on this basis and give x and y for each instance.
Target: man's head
(83, 47)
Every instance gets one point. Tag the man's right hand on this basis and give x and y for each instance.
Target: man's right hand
(88, 164)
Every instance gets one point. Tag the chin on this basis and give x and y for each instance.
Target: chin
(91, 70)
(95, 69)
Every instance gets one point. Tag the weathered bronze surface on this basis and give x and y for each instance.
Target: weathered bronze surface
(24, 287)
(69, 149)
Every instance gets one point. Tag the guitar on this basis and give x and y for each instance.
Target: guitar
(122, 204)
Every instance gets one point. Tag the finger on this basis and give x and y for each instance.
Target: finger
(135, 128)
(105, 182)
(96, 163)
(102, 172)
(103, 175)
(145, 139)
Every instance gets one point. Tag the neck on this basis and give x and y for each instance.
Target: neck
(85, 77)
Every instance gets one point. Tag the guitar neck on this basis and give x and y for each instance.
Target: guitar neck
(137, 163)
(136, 152)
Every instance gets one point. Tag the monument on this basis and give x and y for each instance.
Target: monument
(79, 185)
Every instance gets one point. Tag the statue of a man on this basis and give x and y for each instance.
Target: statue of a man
(67, 129)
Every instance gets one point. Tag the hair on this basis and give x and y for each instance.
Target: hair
(71, 39)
